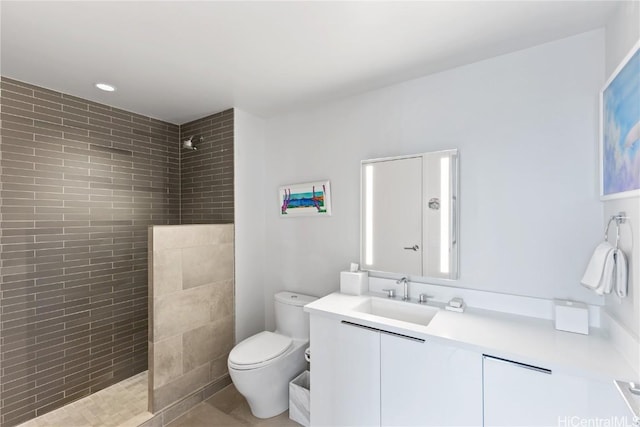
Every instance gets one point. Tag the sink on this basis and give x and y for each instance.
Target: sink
(398, 310)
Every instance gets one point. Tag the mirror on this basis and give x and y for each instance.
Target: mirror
(409, 215)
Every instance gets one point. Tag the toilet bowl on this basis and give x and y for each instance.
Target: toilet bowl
(262, 365)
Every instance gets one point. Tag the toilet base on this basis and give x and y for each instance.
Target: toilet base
(267, 388)
(267, 408)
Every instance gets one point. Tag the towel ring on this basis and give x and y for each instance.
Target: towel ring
(619, 219)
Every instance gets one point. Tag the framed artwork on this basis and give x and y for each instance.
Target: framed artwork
(620, 130)
(308, 199)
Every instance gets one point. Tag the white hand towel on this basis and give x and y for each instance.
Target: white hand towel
(621, 273)
(608, 275)
(597, 277)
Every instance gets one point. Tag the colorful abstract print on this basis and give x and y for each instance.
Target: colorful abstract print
(621, 130)
(298, 200)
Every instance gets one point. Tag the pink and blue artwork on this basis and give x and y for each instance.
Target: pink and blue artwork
(620, 139)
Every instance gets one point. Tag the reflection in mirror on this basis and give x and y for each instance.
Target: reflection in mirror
(409, 215)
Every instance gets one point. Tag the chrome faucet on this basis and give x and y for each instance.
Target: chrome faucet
(405, 282)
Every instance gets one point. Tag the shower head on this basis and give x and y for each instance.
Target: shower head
(189, 144)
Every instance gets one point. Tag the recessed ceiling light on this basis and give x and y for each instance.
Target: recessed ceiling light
(105, 87)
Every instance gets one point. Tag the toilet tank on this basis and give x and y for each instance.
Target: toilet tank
(291, 320)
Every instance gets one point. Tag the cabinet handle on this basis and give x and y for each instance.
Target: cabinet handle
(370, 328)
(406, 337)
(344, 322)
(519, 364)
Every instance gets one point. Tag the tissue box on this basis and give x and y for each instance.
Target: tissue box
(354, 283)
(571, 316)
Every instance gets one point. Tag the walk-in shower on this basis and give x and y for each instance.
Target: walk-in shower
(74, 338)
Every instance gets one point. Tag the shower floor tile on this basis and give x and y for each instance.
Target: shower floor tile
(121, 405)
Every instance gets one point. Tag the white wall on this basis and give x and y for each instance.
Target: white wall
(622, 32)
(526, 125)
(250, 223)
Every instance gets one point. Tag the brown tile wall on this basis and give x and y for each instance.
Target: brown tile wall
(80, 184)
(207, 174)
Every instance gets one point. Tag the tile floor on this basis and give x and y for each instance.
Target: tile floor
(125, 405)
(121, 405)
(227, 408)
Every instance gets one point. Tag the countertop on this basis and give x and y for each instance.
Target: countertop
(523, 339)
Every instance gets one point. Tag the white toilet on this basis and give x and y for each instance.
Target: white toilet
(262, 365)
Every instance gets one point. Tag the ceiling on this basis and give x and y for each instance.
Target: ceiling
(178, 61)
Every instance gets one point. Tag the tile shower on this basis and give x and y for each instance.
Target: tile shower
(81, 183)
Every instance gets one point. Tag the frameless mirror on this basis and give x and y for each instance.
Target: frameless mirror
(409, 215)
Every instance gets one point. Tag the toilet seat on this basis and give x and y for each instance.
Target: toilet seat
(258, 350)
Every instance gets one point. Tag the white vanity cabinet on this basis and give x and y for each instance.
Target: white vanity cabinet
(363, 376)
(517, 394)
(471, 369)
(345, 374)
(425, 383)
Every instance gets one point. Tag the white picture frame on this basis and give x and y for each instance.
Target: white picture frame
(620, 130)
(306, 199)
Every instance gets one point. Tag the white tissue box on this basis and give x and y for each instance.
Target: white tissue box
(354, 283)
(571, 316)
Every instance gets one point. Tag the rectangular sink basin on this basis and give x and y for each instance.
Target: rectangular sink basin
(398, 310)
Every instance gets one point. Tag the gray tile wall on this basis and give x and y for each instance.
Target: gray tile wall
(206, 174)
(80, 184)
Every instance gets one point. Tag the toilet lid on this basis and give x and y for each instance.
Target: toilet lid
(259, 348)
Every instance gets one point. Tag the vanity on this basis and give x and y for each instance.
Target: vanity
(382, 361)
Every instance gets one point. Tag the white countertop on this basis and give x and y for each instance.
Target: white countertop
(523, 339)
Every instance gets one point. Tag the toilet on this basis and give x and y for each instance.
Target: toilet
(262, 365)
